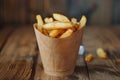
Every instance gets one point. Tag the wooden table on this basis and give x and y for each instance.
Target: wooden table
(19, 58)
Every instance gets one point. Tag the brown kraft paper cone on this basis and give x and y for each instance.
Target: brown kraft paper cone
(59, 55)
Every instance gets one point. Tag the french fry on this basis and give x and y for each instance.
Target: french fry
(73, 28)
(67, 33)
(48, 20)
(74, 20)
(89, 57)
(46, 32)
(39, 22)
(82, 22)
(60, 17)
(101, 53)
(57, 25)
(38, 28)
(55, 33)
(76, 26)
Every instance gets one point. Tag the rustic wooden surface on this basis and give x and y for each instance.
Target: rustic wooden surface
(20, 60)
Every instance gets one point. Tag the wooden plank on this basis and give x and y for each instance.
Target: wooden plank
(16, 58)
(108, 39)
(101, 69)
(90, 39)
(5, 32)
(100, 37)
(116, 30)
(80, 72)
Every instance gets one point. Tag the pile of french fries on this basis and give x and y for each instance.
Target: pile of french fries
(59, 26)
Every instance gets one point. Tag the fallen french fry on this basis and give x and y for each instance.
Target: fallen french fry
(57, 25)
(89, 57)
(82, 22)
(39, 22)
(66, 33)
(101, 53)
(55, 33)
(60, 17)
(48, 20)
(74, 20)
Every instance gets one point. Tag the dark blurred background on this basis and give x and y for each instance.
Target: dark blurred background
(98, 12)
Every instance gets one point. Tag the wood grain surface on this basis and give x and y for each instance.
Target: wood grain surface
(16, 57)
(20, 59)
(5, 32)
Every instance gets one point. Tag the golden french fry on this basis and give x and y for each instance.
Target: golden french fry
(57, 25)
(38, 28)
(74, 20)
(39, 21)
(89, 57)
(46, 32)
(73, 28)
(55, 33)
(48, 20)
(76, 26)
(101, 53)
(83, 21)
(60, 17)
(67, 33)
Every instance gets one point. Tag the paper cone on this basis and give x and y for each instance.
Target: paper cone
(59, 55)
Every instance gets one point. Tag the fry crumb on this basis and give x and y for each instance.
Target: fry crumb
(89, 58)
(101, 53)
